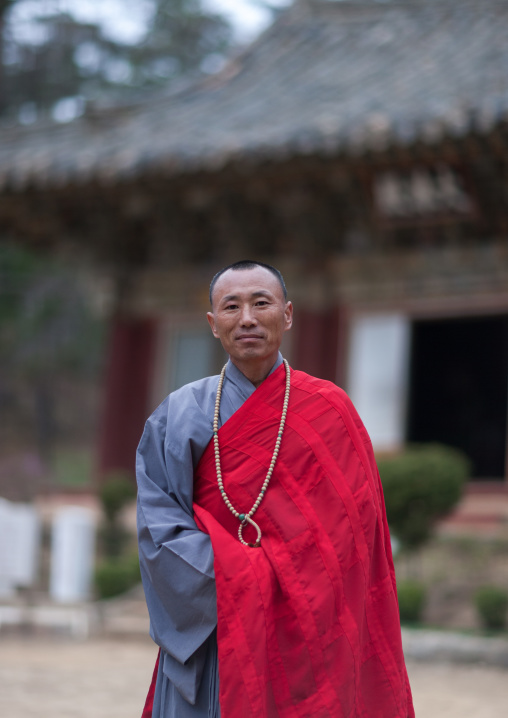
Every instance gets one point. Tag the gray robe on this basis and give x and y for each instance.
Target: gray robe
(176, 558)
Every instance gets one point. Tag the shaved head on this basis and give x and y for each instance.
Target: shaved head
(248, 264)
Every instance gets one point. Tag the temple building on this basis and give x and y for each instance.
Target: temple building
(362, 148)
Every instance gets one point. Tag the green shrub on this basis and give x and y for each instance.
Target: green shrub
(113, 539)
(411, 596)
(113, 578)
(115, 493)
(492, 605)
(421, 485)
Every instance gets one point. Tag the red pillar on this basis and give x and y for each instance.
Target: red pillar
(316, 348)
(127, 387)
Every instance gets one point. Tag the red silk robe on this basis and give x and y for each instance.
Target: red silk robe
(308, 624)
(148, 707)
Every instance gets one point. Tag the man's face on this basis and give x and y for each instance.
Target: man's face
(249, 315)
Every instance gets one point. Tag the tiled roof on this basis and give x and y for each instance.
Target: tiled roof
(327, 76)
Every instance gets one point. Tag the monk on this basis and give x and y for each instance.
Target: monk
(264, 547)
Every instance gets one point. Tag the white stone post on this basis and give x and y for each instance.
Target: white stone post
(20, 535)
(72, 555)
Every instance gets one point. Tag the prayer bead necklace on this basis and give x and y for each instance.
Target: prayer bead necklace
(247, 518)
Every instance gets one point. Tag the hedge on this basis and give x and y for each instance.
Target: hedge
(421, 485)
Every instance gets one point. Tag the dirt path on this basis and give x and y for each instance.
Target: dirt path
(43, 678)
(68, 679)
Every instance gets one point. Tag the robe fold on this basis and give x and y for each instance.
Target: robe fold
(308, 623)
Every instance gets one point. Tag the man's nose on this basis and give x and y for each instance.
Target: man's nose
(248, 317)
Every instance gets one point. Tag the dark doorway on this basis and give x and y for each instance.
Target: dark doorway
(459, 388)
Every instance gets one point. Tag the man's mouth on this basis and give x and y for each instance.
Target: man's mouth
(247, 337)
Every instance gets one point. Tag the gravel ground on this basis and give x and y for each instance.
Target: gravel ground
(50, 678)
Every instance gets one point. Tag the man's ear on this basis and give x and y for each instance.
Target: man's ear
(211, 322)
(288, 316)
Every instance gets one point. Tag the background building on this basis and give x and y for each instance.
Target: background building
(362, 148)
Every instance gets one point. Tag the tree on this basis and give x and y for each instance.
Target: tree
(180, 36)
(47, 328)
(60, 63)
(4, 8)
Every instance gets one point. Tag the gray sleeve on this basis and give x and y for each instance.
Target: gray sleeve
(176, 558)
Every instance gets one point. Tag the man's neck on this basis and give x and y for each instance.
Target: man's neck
(256, 373)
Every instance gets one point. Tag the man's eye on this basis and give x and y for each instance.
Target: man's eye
(231, 306)
(261, 303)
